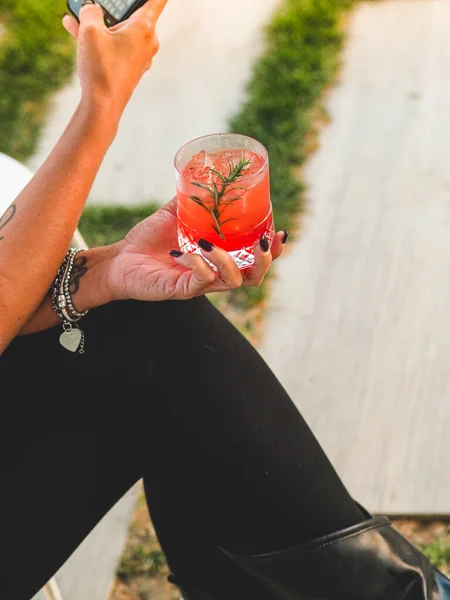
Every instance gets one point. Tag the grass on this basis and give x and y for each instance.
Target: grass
(141, 559)
(438, 553)
(142, 554)
(142, 571)
(102, 225)
(301, 58)
(430, 536)
(36, 58)
(284, 98)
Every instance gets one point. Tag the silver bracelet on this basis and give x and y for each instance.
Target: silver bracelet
(72, 337)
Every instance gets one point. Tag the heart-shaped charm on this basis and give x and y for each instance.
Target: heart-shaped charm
(70, 340)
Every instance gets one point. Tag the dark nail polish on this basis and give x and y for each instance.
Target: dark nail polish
(205, 245)
(64, 14)
(285, 236)
(263, 242)
(176, 253)
(87, 2)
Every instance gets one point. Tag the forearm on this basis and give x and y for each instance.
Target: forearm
(89, 288)
(43, 217)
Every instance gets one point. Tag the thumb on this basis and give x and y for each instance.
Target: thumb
(71, 25)
(91, 13)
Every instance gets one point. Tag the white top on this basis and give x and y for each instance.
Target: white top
(14, 176)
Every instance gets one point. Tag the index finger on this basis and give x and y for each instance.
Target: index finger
(171, 206)
(152, 9)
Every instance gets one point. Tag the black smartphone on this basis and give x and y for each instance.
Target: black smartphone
(115, 11)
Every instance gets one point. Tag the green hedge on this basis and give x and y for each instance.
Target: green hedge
(36, 58)
(438, 552)
(301, 57)
(101, 225)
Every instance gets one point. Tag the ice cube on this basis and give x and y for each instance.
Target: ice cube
(197, 168)
(225, 158)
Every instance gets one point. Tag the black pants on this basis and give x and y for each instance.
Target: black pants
(169, 392)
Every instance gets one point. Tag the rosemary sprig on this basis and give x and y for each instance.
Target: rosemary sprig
(218, 208)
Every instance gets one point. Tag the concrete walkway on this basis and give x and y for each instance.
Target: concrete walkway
(359, 325)
(196, 83)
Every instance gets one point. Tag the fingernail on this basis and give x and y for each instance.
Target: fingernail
(205, 245)
(64, 15)
(88, 2)
(285, 236)
(264, 243)
(176, 253)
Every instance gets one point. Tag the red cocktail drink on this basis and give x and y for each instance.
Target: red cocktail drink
(223, 193)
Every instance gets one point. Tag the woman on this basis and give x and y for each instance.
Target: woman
(245, 503)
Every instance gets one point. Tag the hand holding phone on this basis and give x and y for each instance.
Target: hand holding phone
(111, 61)
(115, 11)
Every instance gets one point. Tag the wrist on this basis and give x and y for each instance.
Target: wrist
(100, 116)
(91, 287)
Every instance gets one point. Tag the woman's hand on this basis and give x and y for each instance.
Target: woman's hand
(111, 61)
(144, 269)
(141, 267)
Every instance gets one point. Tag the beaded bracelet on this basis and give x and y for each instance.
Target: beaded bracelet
(72, 338)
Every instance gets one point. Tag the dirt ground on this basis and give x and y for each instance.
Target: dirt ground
(142, 572)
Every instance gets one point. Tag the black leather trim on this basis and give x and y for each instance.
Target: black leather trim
(326, 540)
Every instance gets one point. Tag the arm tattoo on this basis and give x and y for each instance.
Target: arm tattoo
(6, 217)
(79, 269)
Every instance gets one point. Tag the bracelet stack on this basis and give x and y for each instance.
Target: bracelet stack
(72, 338)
